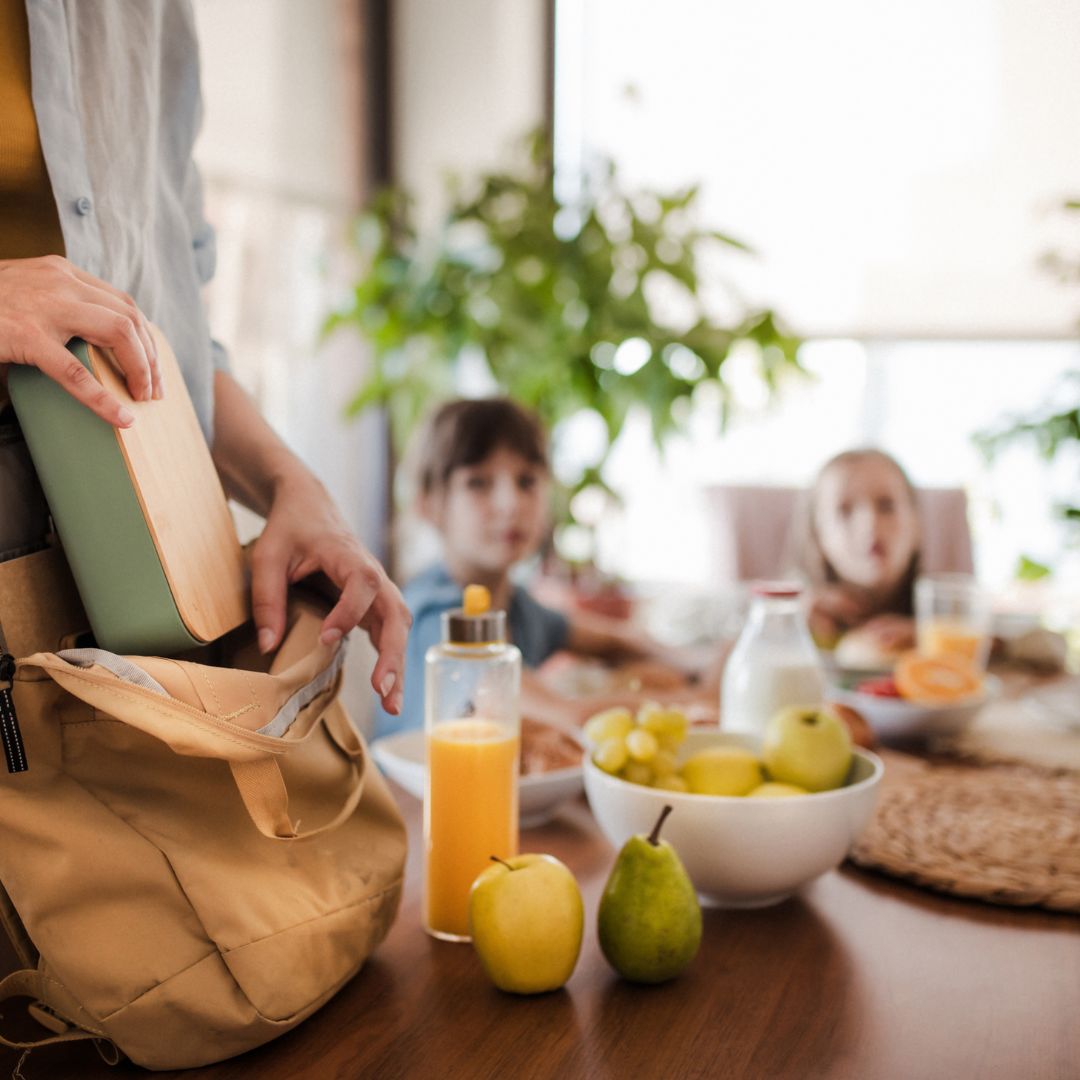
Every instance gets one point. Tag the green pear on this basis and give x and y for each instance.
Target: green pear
(649, 921)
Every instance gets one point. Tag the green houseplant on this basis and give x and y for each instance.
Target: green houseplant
(592, 306)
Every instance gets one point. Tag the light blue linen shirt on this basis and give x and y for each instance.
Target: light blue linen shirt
(115, 86)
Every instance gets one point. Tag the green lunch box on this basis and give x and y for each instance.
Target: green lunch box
(140, 512)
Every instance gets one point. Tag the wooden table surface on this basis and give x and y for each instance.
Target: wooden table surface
(859, 977)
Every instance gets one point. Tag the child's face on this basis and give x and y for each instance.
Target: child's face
(866, 523)
(493, 514)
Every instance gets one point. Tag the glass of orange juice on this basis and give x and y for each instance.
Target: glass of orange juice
(952, 617)
(472, 732)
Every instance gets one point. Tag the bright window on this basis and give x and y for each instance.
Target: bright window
(899, 169)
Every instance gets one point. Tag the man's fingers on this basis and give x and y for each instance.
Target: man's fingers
(116, 330)
(370, 600)
(65, 368)
(268, 587)
(390, 639)
(102, 293)
(361, 588)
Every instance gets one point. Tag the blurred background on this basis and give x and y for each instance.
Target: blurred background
(903, 174)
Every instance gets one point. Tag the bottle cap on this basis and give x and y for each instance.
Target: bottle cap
(778, 590)
(474, 623)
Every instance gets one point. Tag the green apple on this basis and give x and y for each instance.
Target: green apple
(773, 790)
(809, 746)
(526, 920)
(722, 770)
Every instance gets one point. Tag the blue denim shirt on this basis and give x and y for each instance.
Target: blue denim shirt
(536, 630)
(115, 87)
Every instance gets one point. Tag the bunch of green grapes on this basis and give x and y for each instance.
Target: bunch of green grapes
(642, 749)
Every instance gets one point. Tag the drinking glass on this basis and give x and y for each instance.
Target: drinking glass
(952, 617)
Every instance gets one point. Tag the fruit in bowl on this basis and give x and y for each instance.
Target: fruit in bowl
(741, 851)
(806, 749)
(924, 697)
(808, 746)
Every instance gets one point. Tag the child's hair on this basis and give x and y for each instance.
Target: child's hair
(467, 431)
(806, 553)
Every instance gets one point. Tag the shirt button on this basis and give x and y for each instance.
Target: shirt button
(83, 205)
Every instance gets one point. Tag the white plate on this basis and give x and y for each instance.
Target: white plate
(895, 718)
(401, 757)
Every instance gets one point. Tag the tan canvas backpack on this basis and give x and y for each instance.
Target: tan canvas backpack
(196, 856)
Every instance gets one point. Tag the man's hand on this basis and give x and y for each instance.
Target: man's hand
(46, 302)
(305, 534)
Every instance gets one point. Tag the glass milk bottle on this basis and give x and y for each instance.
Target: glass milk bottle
(472, 730)
(774, 662)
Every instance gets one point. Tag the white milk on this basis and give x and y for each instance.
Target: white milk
(754, 692)
(774, 663)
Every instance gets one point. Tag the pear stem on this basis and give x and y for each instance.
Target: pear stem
(495, 858)
(654, 836)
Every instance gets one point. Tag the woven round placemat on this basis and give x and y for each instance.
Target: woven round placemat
(1005, 834)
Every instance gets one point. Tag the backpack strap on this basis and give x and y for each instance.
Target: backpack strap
(12, 925)
(28, 983)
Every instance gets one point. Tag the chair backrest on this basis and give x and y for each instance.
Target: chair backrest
(751, 526)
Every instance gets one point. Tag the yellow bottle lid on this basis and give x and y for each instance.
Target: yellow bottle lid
(474, 623)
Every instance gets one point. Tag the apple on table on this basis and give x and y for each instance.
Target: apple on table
(526, 919)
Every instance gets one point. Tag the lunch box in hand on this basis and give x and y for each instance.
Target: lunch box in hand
(140, 511)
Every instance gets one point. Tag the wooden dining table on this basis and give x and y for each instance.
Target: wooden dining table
(858, 977)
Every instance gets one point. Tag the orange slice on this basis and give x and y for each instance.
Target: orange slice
(936, 680)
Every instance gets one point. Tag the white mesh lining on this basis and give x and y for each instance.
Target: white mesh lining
(124, 669)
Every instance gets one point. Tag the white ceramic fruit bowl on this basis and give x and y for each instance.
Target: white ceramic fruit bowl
(894, 719)
(742, 852)
(402, 758)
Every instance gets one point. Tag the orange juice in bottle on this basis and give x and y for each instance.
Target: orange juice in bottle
(472, 732)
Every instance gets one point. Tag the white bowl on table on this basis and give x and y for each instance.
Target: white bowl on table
(896, 719)
(742, 852)
(402, 757)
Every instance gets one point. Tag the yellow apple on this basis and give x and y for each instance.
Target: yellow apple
(722, 770)
(809, 746)
(526, 920)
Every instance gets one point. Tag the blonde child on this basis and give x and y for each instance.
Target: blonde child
(857, 539)
(483, 481)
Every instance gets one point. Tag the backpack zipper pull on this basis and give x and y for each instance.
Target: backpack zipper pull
(10, 735)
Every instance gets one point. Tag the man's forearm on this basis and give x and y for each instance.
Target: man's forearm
(250, 457)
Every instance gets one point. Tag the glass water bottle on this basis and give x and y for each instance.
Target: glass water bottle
(774, 662)
(472, 731)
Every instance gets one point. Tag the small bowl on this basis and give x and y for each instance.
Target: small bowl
(740, 852)
(894, 719)
(402, 758)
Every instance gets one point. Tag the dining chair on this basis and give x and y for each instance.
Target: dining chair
(750, 528)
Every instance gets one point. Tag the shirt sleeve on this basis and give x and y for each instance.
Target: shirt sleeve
(203, 242)
(537, 631)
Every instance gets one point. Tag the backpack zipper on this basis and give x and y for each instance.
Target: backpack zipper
(10, 735)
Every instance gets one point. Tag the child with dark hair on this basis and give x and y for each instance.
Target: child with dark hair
(483, 481)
